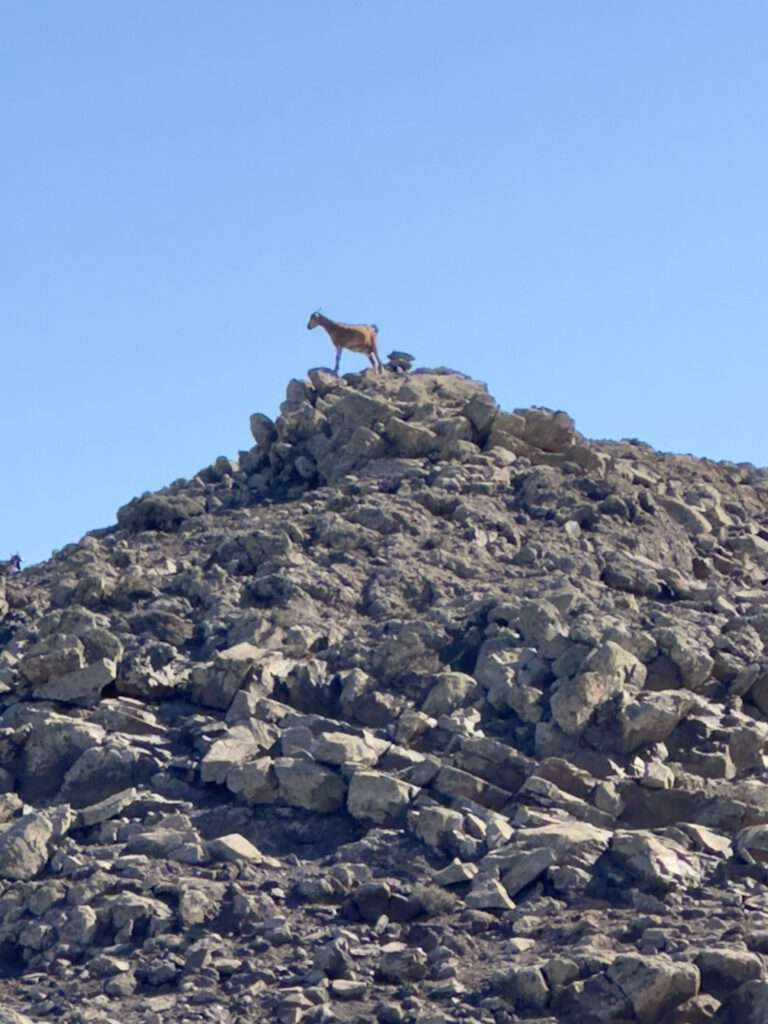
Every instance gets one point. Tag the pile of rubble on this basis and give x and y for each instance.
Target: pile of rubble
(420, 711)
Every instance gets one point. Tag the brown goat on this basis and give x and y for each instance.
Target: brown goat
(355, 337)
(11, 566)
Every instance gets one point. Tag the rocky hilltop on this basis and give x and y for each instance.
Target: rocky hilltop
(420, 711)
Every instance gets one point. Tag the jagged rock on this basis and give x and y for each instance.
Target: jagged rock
(653, 863)
(102, 771)
(724, 970)
(631, 988)
(340, 748)
(130, 913)
(199, 900)
(58, 669)
(235, 847)
(752, 844)
(522, 869)
(575, 700)
(309, 785)
(625, 725)
(110, 807)
(58, 656)
(488, 894)
(83, 686)
(690, 518)
(215, 686)
(54, 744)
(255, 781)
(379, 798)
(399, 964)
(160, 512)
(694, 665)
(438, 827)
(361, 702)
(237, 746)
(451, 691)
(545, 794)
(408, 440)
(25, 843)
(573, 845)
(455, 873)
(525, 987)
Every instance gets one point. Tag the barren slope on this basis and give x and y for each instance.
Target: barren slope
(419, 712)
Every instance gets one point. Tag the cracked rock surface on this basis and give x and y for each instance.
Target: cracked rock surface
(419, 711)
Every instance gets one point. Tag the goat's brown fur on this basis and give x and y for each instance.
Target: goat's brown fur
(355, 337)
(11, 566)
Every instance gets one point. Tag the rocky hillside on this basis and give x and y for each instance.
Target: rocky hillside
(418, 712)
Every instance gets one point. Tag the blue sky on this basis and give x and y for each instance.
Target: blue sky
(566, 199)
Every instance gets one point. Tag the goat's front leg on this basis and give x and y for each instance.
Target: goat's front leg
(338, 360)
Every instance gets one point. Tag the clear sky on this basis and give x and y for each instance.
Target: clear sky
(567, 199)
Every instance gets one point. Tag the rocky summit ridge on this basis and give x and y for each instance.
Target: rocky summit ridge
(420, 711)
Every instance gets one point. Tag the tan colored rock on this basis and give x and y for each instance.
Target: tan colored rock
(576, 845)
(239, 745)
(506, 430)
(455, 873)
(574, 701)
(57, 656)
(653, 863)
(525, 986)
(454, 783)
(110, 807)
(216, 685)
(452, 690)
(254, 781)
(653, 985)
(724, 970)
(694, 664)
(83, 686)
(652, 717)
(524, 868)
(436, 826)
(409, 440)
(612, 659)
(309, 785)
(340, 748)
(751, 844)
(234, 847)
(488, 893)
(25, 846)
(379, 798)
(690, 518)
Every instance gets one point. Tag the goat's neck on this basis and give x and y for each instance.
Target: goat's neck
(326, 322)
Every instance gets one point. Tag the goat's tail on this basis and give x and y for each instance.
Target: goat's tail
(374, 328)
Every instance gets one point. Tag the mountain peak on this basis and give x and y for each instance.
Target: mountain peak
(411, 674)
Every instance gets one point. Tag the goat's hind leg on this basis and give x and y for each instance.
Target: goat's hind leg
(338, 360)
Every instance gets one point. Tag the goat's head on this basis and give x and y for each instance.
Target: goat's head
(314, 320)
(15, 562)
